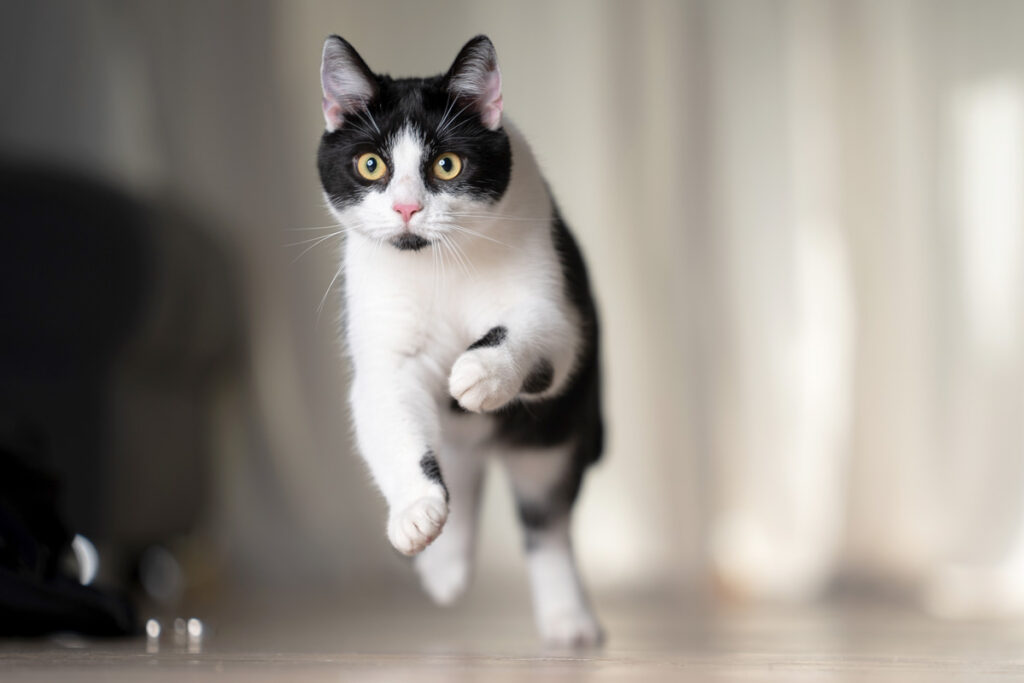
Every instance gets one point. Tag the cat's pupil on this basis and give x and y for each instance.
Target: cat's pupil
(371, 164)
(445, 164)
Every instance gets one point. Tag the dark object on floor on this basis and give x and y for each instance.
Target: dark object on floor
(37, 596)
(119, 322)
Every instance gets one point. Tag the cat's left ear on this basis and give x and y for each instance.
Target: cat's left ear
(475, 76)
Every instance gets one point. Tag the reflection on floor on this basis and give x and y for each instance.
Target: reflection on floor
(402, 637)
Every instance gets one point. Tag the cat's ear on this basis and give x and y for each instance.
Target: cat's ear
(347, 82)
(475, 76)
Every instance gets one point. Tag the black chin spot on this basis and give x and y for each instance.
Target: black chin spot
(409, 242)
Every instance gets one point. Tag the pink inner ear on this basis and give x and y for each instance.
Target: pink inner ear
(332, 115)
(490, 100)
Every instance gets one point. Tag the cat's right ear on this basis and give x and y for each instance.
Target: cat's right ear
(475, 76)
(347, 82)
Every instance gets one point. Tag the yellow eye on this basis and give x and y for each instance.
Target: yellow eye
(371, 166)
(447, 166)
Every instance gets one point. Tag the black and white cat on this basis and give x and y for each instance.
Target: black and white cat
(469, 320)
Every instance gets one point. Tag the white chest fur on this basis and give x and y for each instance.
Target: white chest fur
(425, 307)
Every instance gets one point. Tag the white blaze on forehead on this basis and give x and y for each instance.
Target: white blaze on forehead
(406, 157)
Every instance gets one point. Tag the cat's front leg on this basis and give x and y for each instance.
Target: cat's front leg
(396, 425)
(485, 376)
(527, 358)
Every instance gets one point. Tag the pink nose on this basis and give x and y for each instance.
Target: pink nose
(407, 210)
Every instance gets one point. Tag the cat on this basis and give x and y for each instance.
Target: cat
(468, 318)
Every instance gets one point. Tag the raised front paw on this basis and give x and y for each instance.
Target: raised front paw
(414, 527)
(484, 379)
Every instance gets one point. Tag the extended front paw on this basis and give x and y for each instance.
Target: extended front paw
(414, 527)
(484, 379)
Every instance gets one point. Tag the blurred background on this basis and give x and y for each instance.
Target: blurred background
(804, 224)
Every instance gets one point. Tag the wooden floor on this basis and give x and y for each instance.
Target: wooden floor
(402, 638)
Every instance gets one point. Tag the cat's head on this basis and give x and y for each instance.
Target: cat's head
(408, 160)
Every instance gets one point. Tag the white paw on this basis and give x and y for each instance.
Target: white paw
(574, 629)
(415, 527)
(484, 379)
(444, 579)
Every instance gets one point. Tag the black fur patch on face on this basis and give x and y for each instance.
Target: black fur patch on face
(432, 471)
(444, 122)
(540, 378)
(494, 336)
(407, 241)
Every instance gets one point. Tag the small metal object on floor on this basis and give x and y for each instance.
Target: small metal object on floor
(188, 634)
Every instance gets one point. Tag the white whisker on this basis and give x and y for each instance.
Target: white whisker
(453, 120)
(451, 129)
(320, 308)
(313, 239)
(372, 120)
(448, 109)
(320, 227)
(434, 267)
(443, 269)
(463, 258)
(317, 242)
(474, 233)
(499, 217)
(445, 244)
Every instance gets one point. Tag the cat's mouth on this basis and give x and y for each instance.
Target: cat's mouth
(407, 241)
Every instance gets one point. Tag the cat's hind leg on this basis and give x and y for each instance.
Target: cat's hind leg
(545, 482)
(446, 566)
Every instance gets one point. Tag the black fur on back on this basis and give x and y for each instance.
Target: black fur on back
(575, 412)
